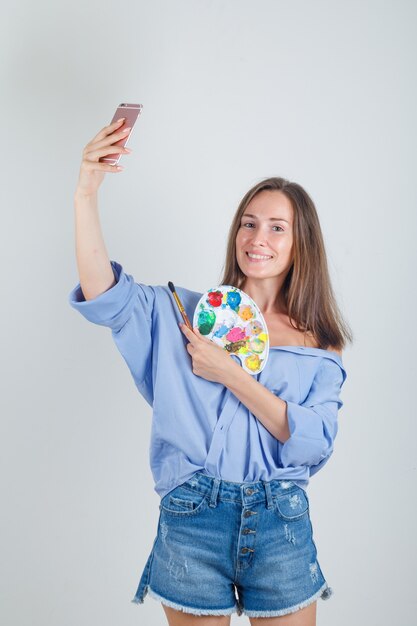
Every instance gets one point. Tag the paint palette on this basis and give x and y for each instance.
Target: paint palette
(230, 318)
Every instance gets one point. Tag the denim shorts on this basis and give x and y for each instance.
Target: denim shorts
(224, 547)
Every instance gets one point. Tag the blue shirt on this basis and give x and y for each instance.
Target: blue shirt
(199, 425)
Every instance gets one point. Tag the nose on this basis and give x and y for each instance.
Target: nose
(260, 237)
(259, 240)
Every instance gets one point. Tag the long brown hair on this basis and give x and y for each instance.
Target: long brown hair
(307, 289)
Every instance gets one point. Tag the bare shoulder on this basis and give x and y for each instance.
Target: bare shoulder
(313, 343)
(333, 349)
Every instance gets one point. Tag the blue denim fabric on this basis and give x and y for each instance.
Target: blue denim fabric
(225, 547)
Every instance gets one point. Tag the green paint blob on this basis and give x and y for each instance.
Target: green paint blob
(206, 321)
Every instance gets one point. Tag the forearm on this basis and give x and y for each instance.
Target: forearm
(268, 408)
(94, 268)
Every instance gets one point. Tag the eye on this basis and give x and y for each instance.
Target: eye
(251, 224)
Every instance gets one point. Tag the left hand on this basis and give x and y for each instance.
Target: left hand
(209, 360)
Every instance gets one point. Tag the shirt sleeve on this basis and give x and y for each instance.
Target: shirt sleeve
(313, 424)
(127, 309)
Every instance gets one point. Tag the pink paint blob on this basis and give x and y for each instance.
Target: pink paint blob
(236, 334)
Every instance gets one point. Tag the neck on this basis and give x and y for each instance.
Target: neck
(267, 293)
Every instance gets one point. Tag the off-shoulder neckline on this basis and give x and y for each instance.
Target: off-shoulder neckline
(330, 355)
(304, 348)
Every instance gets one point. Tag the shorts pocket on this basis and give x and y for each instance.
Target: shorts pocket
(183, 502)
(292, 505)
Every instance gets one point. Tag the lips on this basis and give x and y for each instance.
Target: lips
(269, 257)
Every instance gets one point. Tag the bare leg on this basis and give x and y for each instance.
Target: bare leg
(302, 617)
(179, 618)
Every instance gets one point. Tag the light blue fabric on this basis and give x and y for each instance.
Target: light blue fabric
(198, 425)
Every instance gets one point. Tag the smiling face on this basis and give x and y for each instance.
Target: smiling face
(266, 231)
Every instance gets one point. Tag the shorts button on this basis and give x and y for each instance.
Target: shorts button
(248, 513)
(245, 550)
(249, 492)
(246, 531)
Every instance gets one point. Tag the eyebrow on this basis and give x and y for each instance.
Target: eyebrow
(271, 219)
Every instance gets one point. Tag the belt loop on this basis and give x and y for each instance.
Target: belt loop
(269, 501)
(214, 492)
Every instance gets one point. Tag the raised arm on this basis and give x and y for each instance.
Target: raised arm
(94, 269)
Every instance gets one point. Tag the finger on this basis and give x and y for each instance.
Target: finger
(94, 155)
(187, 332)
(108, 140)
(107, 130)
(92, 166)
(185, 329)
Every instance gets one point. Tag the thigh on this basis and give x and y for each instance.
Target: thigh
(302, 617)
(179, 618)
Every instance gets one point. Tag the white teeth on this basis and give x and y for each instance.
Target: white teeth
(258, 256)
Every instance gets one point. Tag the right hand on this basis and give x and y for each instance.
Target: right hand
(92, 172)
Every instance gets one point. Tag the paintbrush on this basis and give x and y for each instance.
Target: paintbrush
(179, 305)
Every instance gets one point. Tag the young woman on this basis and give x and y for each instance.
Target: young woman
(231, 453)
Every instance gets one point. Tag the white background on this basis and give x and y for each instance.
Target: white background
(322, 93)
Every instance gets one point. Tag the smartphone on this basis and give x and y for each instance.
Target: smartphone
(130, 112)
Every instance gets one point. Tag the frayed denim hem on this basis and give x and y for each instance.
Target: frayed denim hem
(324, 592)
(186, 609)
